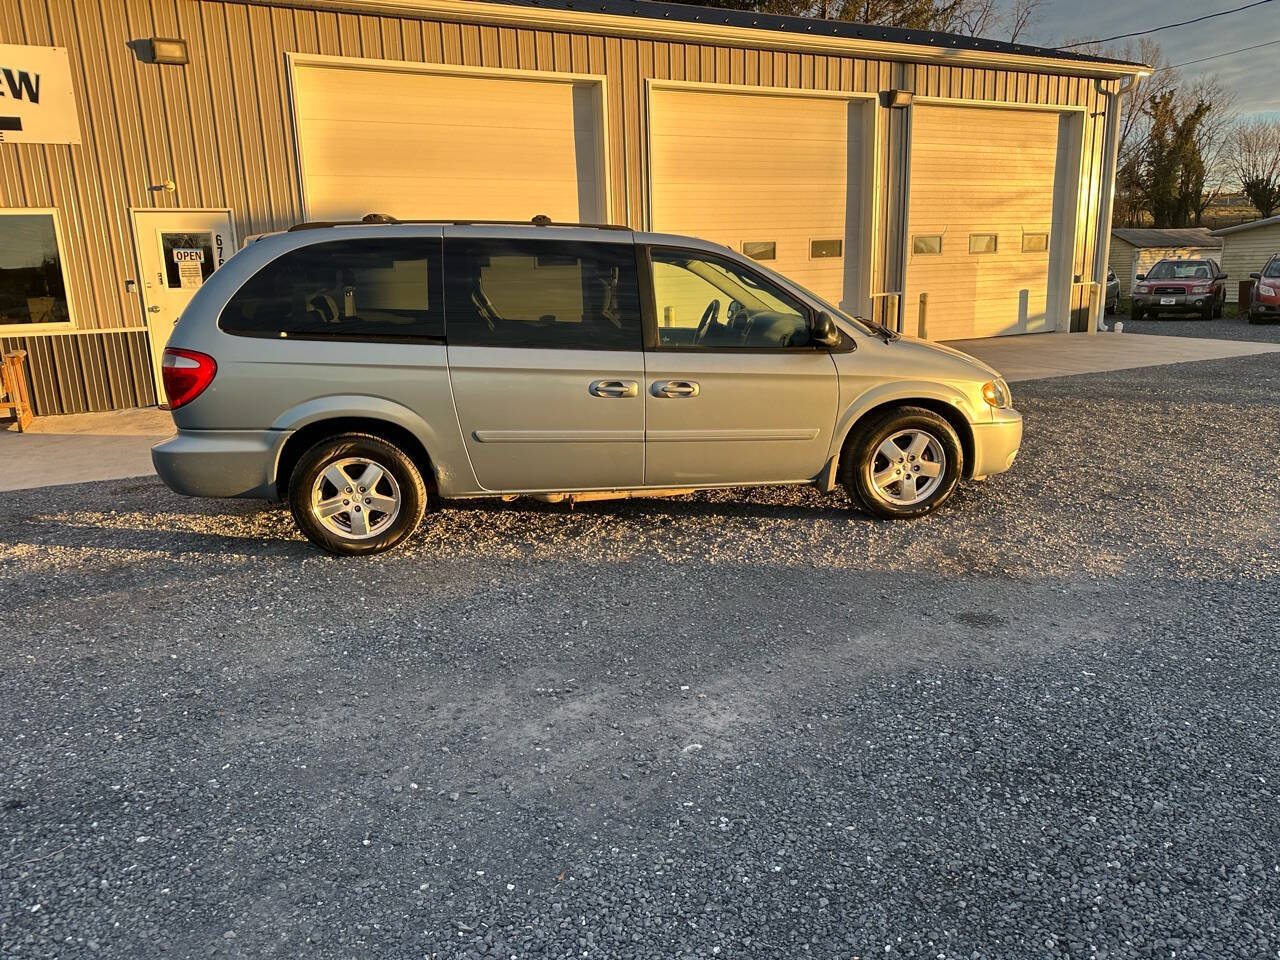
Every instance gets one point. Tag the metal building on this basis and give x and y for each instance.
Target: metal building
(141, 142)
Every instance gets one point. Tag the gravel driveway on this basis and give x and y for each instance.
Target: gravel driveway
(1228, 328)
(1040, 724)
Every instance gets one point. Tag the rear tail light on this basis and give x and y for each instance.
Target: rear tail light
(186, 373)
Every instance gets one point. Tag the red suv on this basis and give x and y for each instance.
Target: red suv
(1266, 292)
(1181, 286)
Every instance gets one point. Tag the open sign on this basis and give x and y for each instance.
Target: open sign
(188, 255)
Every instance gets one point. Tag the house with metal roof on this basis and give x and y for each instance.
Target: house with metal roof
(1136, 250)
(1246, 247)
(952, 186)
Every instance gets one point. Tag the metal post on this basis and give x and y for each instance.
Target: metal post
(923, 330)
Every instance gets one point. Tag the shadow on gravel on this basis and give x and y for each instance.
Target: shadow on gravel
(171, 540)
(732, 502)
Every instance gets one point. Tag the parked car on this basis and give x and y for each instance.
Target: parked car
(1265, 304)
(1180, 286)
(1111, 304)
(362, 371)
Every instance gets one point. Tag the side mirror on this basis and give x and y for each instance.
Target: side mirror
(1255, 276)
(1224, 276)
(824, 330)
(1141, 276)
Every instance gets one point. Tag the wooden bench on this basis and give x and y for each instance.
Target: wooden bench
(13, 388)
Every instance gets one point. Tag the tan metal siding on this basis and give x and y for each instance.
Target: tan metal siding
(221, 128)
(79, 373)
(1121, 262)
(1245, 252)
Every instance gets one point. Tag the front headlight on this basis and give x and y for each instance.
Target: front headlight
(1141, 288)
(996, 393)
(1268, 289)
(1201, 288)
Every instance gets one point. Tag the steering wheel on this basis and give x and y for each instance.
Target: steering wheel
(708, 318)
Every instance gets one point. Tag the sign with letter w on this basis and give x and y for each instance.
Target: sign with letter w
(37, 101)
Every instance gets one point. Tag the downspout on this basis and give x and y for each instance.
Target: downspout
(1111, 158)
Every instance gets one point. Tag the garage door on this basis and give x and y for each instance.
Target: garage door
(980, 220)
(414, 143)
(763, 174)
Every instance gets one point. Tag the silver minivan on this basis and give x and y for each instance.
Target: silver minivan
(362, 371)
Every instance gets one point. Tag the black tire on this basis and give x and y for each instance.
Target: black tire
(1218, 307)
(1253, 317)
(1209, 311)
(863, 455)
(1135, 314)
(402, 481)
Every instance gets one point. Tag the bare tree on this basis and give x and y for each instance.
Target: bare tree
(1210, 177)
(1255, 147)
(968, 17)
(1021, 15)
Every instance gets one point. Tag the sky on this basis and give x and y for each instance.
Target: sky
(1254, 76)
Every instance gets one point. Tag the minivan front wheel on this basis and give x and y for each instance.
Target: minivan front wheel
(356, 494)
(904, 463)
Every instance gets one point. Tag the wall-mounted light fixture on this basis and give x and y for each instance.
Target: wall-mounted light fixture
(160, 50)
(895, 99)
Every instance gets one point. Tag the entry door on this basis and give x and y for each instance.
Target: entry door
(734, 393)
(178, 250)
(546, 362)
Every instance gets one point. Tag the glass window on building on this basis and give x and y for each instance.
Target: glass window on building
(32, 287)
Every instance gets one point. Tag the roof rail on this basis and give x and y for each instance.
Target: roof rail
(541, 220)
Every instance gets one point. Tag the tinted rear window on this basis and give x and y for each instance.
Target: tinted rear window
(375, 289)
(553, 294)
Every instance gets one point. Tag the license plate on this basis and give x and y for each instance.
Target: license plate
(1168, 301)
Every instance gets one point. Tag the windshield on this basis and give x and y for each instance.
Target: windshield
(1272, 269)
(1181, 270)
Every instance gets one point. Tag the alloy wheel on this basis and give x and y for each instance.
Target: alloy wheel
(356, 498)
(907, 467)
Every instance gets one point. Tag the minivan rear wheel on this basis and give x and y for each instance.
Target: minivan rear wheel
(356, 494)
(903, 463)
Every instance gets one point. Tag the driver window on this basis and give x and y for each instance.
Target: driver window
(706, 301)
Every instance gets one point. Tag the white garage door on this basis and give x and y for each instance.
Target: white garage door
(414, 143)
(764, 170)
(981, 220)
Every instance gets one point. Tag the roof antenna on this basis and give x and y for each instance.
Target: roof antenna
(542, 220)
(378, 218)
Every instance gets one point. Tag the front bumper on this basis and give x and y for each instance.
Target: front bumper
(1262, 308)
(996, 444)
(220, 463)
(1181, 303)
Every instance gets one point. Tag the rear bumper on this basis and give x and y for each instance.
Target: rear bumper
(996, 444)
(220, 463)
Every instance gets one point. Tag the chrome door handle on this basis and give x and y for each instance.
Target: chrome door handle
(614, 388)
(676, 388)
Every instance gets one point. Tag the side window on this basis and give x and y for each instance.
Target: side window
(554, 294)
(706, 301)
(375, 289)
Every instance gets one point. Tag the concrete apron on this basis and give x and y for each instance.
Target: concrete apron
(82, 447)
(1038, 356)
(111, 446)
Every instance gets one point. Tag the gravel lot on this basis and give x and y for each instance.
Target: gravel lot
(1228, 328)
(1040, 724)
